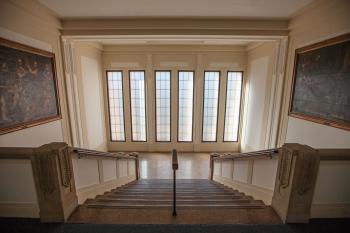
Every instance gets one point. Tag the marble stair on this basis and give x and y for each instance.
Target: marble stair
(158, 193)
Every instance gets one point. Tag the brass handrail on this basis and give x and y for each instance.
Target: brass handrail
(94, 153)
(334, 154)
(175, 165)
(254, 154)
(16, 152)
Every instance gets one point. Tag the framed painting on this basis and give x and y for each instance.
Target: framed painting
(321, 83)
(28, 87)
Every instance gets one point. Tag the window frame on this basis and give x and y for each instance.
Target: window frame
(178, 104)
(109, 109)
(146, 129)
(217, 113)
(155, 105)
(240, 108)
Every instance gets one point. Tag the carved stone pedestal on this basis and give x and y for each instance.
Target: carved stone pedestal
(295, 182)
(54, 180)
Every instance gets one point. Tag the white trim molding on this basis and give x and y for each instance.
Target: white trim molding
(256, 192)
(19, 209)
(98, 189)
(332, 210)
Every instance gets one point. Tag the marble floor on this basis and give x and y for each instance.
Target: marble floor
(159, 166)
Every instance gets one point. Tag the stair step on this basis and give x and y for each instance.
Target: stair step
(191, 194)
(107, 199)
(151, 205)
(223, 196)
(171, 191)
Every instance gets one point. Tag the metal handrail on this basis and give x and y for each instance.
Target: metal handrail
(175, 166)
(94, 153)
(254, 154)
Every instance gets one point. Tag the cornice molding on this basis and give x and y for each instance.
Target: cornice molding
(173, 26)
(254, 45)
(36, 9)
(111, 49)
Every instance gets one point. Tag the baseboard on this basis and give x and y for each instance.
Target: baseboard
(19, 210)
(98, 189)
(256, 192)
(330, 211)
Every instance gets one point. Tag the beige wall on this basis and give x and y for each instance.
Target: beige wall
(18, 196)
(29, 23)
(88, 63)
(323, 20)
(332, 193)
(174, 58)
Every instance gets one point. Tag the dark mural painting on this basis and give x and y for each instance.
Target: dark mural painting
(28, 92)
(322, 83)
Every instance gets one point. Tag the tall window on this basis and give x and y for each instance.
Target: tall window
(233, 102)
(138, 105)
(210, 105)
(116, 105)
(163, 106)
(185, 106)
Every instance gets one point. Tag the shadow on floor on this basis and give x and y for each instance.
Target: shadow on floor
(15, 225)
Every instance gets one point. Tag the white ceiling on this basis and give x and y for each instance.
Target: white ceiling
(176, 8)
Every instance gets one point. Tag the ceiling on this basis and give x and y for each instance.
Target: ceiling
(257, 9)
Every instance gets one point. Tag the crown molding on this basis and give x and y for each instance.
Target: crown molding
(173, 26)
(111, 49)
(38, 10)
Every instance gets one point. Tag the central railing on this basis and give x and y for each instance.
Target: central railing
(175, 165)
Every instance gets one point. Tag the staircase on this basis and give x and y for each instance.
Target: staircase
(194, 194)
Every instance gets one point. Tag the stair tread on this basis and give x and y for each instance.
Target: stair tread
(170, 200)
(226, 205)
(159, 193)
(178, 196)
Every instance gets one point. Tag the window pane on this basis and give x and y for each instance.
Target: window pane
(210, 106)
(138, 105)
(163, 105)
(116, 106)
(185, 107)
(233, 102)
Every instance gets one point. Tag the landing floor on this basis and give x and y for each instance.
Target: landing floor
(158, 165)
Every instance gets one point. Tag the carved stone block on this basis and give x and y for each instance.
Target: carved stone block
(295, 182)
(54, 180)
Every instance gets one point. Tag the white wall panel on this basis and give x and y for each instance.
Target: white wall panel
(131, 167)
(332, 184)
(240, 170)
(17, 182)
(264, 173)
(258, 76)
(227, 169)
(92, 99)
(86, 172)
(109, 169)
(217, 168)
(122, 168)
